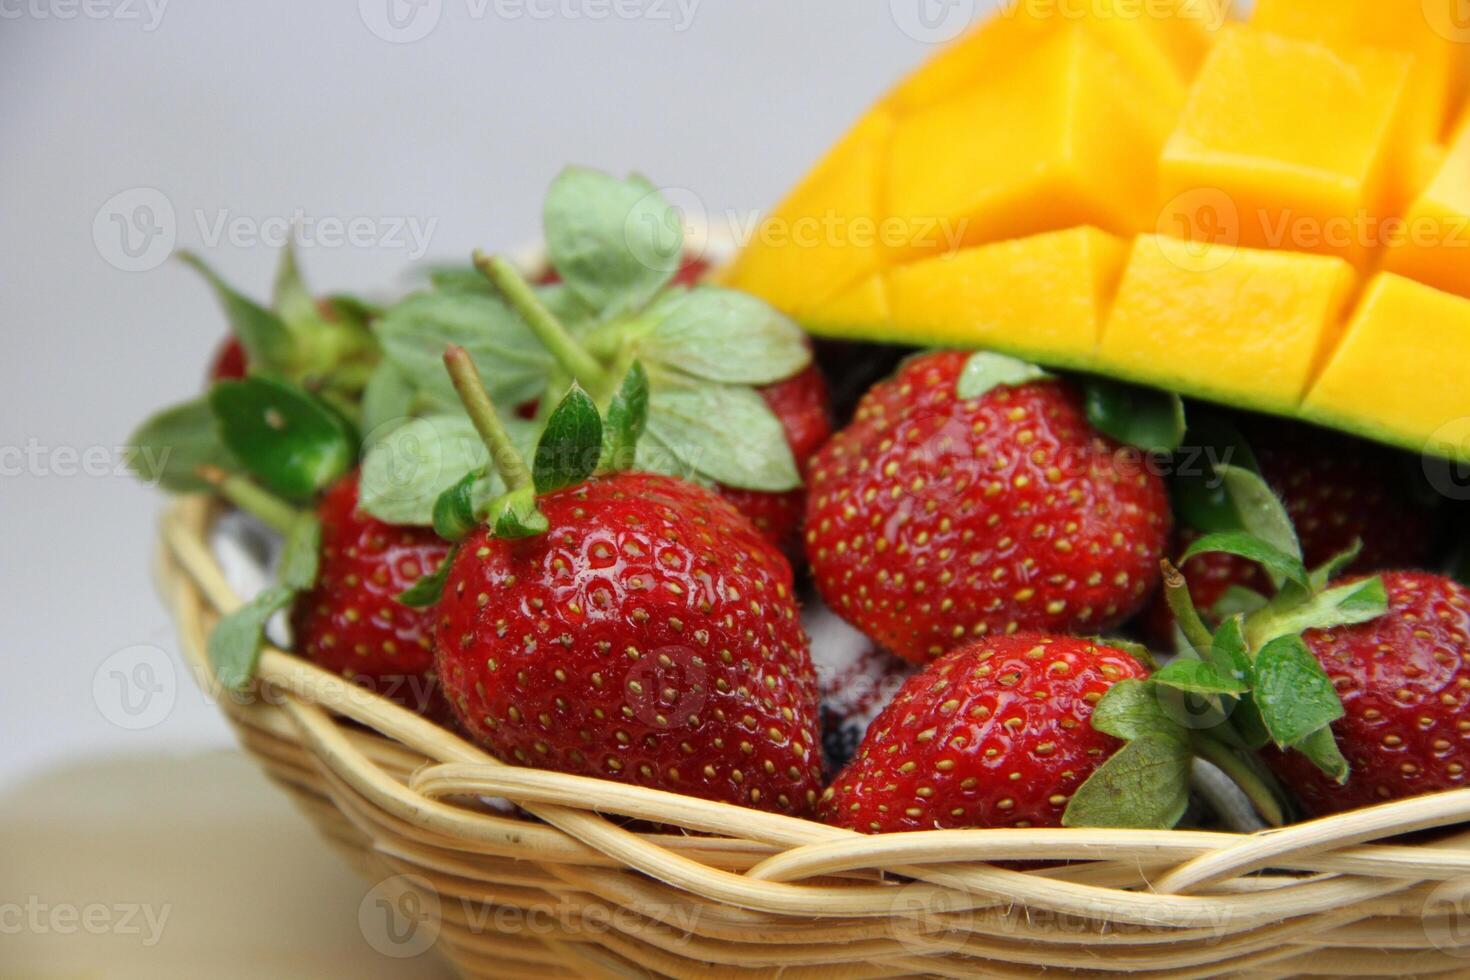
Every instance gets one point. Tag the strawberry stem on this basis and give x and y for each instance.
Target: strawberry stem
(253, 500)
(1258, 786)
(1181, 604)
(555, 337)
(503, 453)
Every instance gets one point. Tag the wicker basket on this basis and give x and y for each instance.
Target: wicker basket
(569, 893)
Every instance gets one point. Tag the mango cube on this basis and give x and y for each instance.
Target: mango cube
(1433, 242)
(1299, 137)
(1241, 326)
(1041, 297)
(1400, 25)
(1163, 41)
(1399, 373)
(861, 310)
(1056, 140)
(825, 236)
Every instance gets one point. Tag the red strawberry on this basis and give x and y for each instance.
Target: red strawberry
(932, 521)
(648, 635)
(350, 622)
(229, 361)
(1404, 681)
(801, 403)
(1336, 490)
(995, 734)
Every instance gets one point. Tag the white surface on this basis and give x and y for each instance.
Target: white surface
(262, 109)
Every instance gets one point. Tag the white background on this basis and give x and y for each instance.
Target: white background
(257, 110)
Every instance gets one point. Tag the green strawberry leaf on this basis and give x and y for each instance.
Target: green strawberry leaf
(290, 440)
(1249, 724)
(405, 471)
(627, 417)
(1259, 550)
(428, 590)
(290, 298)
(1144, 418)
(1229, 653)
(1198, 677)
(234, 646)
(1196, 489)
(301, 555)
(723, 335)
(1131, 709)
(1261, 511)
(265, 336)
(1322, 749)
(616, 243)
(353, 310)
(1345, 605)
(1336, 565)
(725, 433)
(986, 370)
(569, 449)
(388, 399)
(1137, 651)
(168, 449)
(454, 510)
(1144, 785)
(1292, 691)
(415, 332)
(515, 515)
(1237, 600)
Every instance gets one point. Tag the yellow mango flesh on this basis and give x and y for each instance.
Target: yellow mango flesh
(1059, 139)
(829, 225)
(1399, 373)
(1433, 243)
(1299, 137)
(1408, 26)
(1241, 326)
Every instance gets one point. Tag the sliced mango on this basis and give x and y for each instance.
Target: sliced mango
(1400, 25)
(1060, 139)
(1432, 244)
(824, 236)
(1042, 297)
(862, 310)
(1242, 326)
(1399, 374)
(1162, 41)
(1299, 137)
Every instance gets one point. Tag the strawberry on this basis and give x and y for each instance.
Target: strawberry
(1404, 680)
(935, 519)
(801, 404)
(229, 361)
(628, 625)
(994, 734)
(1336, 491)
(350, 622)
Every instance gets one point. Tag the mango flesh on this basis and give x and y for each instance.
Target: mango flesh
(1166, 199)
(1298, 136)
(1399, 373)
(1433, 243)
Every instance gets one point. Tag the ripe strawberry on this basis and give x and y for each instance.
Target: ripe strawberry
(1404, 680)
(229, 361)
(932, 520)
(633, 627)
(801, 403)
(994, 734)
(350, 621)
(1336, 491)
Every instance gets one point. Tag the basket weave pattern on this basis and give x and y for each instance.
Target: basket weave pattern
(745, 893)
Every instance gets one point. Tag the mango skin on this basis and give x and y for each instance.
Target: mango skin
(1241, 326)
(1399, 373)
